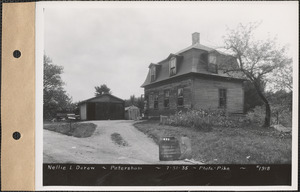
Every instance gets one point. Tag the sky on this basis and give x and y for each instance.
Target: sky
(113, 43)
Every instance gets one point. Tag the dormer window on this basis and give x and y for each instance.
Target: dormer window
(212, 59)
(153, 73)
(172, 64)
(212, 63)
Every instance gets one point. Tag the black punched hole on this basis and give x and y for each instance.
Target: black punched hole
(16, 135)
(17, 53)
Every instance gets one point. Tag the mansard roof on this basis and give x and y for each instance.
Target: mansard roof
(187, 65)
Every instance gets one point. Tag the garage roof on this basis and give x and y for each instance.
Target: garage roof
(103, 98)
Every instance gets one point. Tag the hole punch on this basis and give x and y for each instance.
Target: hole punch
(17, 53)
(16, 135)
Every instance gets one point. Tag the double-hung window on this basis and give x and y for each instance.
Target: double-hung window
(153, 73)
(180, 97)
(156, 101)
(212, 59)
(172, 64)
(222, 98)
(166, 98)
(151, 101)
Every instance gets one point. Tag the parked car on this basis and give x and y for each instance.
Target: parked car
(67, 116)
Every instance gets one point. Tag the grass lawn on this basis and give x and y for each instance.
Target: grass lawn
(77, 129)
(244, 145)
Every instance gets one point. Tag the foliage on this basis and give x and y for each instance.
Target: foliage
(192, 118)
(204, 119)
(241, 145)
(281, 112)
(102, 89)
(136, 101)
(256, 58)
(252, 99)
(281, 98)
(282, 79)
(256, 115)
(55, 97)
(80, 130)
(75, 107)
(282, 104)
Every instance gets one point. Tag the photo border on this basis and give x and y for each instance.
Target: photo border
(39, 110)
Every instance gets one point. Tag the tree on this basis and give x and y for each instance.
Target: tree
(137, 101)
(140, 103)
(282, 79)
(256, 59)
(282, 104)
(102, 89)
(55, 97)
(133, 100)
(252, 99)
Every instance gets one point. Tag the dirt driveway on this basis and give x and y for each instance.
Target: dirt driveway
(100, 149)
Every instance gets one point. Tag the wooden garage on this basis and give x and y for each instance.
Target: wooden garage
(103, 107)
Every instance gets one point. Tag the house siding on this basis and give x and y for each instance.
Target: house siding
(206, 94)
(173, 88)
(200, 80)
(83, 111)
(198, 93)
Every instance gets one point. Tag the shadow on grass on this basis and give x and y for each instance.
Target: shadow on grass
(80, 130)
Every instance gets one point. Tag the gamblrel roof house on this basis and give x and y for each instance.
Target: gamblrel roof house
(193, 78)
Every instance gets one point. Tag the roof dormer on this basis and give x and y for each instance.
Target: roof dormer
(173, 66)
(173, 60)
(212, 62)
(153, 71)
(212, 57)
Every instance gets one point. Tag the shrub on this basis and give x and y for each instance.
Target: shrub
(282, 115)
(278, 113)
(200, 119)
(191, 118)
(80, 130)
(206, 119)
(257, 115)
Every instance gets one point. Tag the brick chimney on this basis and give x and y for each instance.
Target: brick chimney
(196, 38)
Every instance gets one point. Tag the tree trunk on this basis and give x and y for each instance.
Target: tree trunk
(268, 115)
(266, 102)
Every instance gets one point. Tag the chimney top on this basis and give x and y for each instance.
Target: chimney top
(195, 38)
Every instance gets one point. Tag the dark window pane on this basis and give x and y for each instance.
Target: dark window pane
(173, 71)
(153, 73)
(180, 101)
(156, 101)
(155, 104)
(166, 99)
(166, 103)
(222, 98)
(152, 78)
